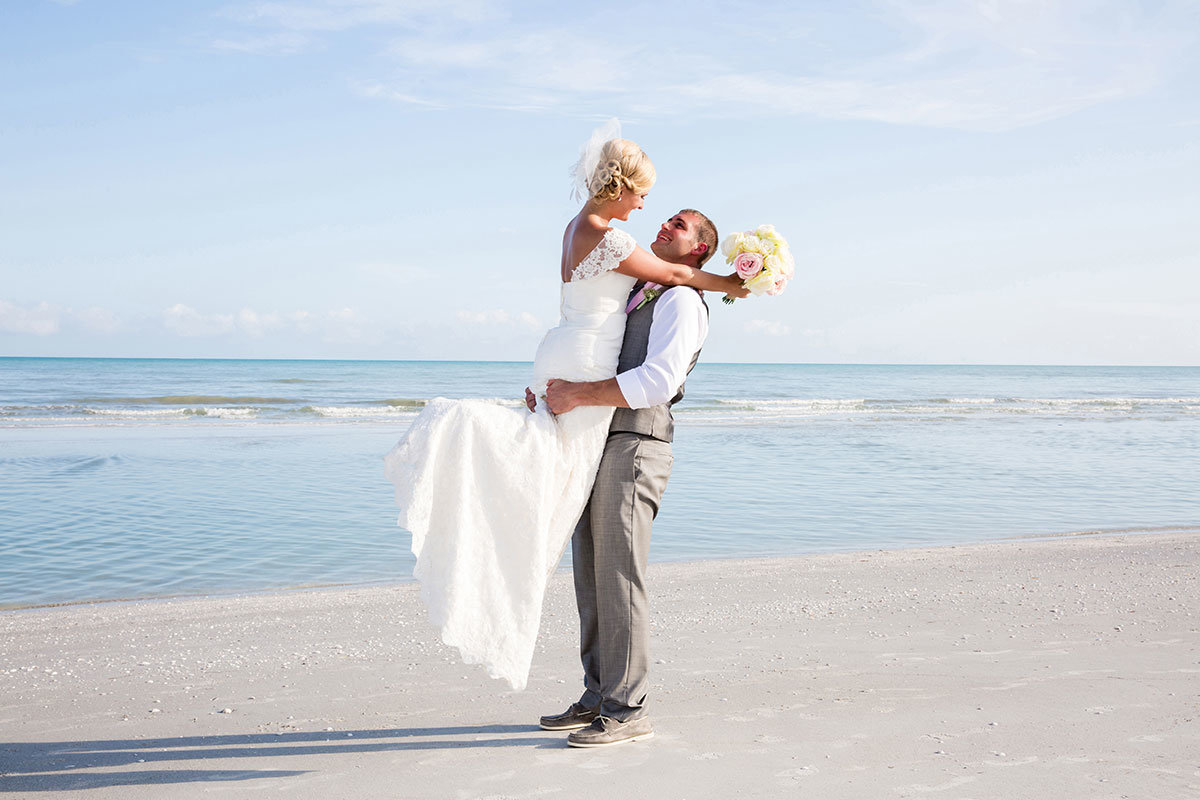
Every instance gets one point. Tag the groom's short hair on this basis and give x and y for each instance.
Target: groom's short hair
(706, 231)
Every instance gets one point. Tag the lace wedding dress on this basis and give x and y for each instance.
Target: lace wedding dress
(491, 494)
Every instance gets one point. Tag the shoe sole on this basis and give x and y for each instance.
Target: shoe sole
(637, 738)
(574, 726)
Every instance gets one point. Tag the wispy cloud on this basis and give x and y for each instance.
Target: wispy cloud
(187, 321)
(992, 65)
(42, 319)
(500, 317)
(338, 325)
(767, 327)
(98, 320)
(47, 319)
(287, 28)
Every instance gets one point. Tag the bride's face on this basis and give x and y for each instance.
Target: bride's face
(627, 203)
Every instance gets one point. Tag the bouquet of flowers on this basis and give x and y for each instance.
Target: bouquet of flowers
(761, 258)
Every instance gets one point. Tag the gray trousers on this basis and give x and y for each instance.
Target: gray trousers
(609, 552)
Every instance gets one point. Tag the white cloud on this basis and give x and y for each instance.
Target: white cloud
(496, 316)
(40, 320)
(45, 319)
(378, 90)
(500, 317)
(187, 321)
(767, 327)
(346, 325)
(1064, 317)
(990, 65)
(337, 325)
(255, 324)
(98, 320)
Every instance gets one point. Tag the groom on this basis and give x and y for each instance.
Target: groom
(664, 331)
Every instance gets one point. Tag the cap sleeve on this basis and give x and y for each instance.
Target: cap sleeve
(621, 243)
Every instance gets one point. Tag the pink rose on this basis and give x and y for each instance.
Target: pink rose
(747, 265)
(780, 285)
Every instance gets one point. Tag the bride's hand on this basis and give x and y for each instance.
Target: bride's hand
(735, 286)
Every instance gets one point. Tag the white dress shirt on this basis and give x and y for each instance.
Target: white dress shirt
(678, 328)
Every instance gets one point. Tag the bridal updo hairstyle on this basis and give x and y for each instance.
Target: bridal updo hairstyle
(622, 166)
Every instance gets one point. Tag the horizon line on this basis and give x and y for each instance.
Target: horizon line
(512, 361)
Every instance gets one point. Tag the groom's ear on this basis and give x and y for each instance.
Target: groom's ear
(700, 249)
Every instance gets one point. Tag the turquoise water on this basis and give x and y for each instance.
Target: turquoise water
(123, 478)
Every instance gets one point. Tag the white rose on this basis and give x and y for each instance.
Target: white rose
(729, 247)
(761, 282)
(789, 264)
(765, 231)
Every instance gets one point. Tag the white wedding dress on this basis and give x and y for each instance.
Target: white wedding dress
(491, 493)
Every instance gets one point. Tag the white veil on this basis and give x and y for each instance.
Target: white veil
(583, 172)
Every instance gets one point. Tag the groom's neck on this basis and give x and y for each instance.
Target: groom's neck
(687, 261)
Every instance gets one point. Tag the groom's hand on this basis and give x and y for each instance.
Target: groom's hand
(561, 396)
(530, 399)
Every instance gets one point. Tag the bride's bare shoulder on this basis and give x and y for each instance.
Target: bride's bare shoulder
(581, 237)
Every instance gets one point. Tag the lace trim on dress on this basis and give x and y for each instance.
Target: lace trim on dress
(614, 248)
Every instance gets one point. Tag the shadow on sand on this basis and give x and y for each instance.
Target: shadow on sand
(55, 766)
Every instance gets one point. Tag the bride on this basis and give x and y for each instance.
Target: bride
(491, 494)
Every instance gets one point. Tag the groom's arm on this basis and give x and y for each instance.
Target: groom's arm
(562, 396)
(677, 331)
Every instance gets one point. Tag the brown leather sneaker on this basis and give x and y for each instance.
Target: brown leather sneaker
(606, 732)
(575, 717)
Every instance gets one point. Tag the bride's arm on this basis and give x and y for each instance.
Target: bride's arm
(649, 267)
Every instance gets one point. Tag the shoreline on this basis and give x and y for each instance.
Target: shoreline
(320, 587)
(1063, 667)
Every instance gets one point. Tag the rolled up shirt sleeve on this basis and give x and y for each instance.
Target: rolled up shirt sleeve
(677, 331)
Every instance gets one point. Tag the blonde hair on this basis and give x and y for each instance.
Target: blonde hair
(622, 166)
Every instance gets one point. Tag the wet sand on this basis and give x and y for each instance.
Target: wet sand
(1055, 668)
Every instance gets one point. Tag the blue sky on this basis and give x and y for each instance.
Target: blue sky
(980, 182)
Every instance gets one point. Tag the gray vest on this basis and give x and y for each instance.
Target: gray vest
(655, 421)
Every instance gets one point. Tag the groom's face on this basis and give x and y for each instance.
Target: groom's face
(677, 239)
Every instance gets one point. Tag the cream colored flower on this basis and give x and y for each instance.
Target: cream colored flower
(732, 246)
(762, 282)
(788, 268)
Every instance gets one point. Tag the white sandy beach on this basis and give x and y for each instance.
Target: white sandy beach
(1062, 668)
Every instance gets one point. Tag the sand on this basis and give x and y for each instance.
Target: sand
(1060, 668)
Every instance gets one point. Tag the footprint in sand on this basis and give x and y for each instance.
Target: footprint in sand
(1020, 763)
(941, 787)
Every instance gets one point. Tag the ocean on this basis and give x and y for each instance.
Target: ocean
(126, 478)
